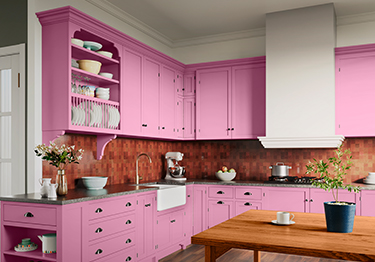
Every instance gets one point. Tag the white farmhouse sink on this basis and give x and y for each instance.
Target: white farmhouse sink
(169, 196)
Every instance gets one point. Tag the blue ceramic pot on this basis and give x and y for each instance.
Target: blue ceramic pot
(339, 218)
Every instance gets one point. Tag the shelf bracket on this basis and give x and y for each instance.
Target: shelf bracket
(50, 136)
(101, 142)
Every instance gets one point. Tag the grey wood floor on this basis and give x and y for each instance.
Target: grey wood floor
(195, 253)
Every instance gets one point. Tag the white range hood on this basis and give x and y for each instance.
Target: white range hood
(300, 78)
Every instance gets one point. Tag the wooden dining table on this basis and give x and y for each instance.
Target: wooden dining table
(308, 236)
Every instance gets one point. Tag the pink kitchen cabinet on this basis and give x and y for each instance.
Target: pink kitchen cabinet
(319, 196)
(367, 203)
(168, 103)
(248, 198)
(219, 211)
(188, 215)
(145, 214)
(354, 91)
(179, 117)
(199, 209)
(189, 118)
(241, 206)
(212, 103)
(287, 199)
(189, 84)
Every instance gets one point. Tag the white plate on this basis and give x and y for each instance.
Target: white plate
(117, 117)
(290, 223)
(74, 116)
(369, 182)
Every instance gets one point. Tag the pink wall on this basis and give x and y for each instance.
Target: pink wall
(202, 158)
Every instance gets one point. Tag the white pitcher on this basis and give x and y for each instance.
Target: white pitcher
(45, 183)
(52, 191)
(49, 243)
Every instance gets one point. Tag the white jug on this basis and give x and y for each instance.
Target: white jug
(45, 183)
(52, 191)
(49, 243)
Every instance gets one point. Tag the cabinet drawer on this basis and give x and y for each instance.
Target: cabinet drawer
(248, 193)
(105, 248)
(100, 209)
(221, 192)
(129, 254)
(30, 214)
(111, 226)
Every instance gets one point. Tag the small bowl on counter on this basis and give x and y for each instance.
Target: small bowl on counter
(226, 176)
(94, 182)
(90, 66)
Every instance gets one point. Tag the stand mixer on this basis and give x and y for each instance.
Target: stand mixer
(174, 170)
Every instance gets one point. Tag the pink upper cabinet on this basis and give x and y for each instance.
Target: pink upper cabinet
(355, 81)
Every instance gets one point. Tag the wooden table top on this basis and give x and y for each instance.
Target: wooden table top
(308, 236)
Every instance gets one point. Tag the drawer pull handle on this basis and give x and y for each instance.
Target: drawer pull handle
(220, 202)
(128, 241)
(248, 194)
(248, 204)
(174, 220)
(128, 222)
(147, 205)
(99, 251)
(98, 230)
(128, 259)
(220, 192)
(28, 214)
(98, 210)
(128, 204)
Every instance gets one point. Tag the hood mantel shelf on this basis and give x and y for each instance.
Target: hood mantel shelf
(302, 142)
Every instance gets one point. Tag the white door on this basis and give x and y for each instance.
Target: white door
(12, 127)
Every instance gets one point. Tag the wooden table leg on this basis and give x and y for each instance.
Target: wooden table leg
(212, 253)
(256, 256)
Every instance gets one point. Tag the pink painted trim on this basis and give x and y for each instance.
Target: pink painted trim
(101, 142)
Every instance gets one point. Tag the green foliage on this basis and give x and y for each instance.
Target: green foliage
(333, 172)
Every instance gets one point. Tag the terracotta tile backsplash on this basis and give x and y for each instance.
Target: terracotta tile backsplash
(201, 158)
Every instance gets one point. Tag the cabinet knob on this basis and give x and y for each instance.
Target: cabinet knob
(128, 222)
(248, 194)
(147, 205)
(99, 251)
(311, 200)
(128, 204)
(220, 192)
(183, 89)
(232, 129)
(228, 129)
(128, 259)
(163, 127)
(28, 214)
(98, 210)
(306, 200)
(128, 241)
(144, 125)
(220, 202)
(183, 128)
(98, 230)
(248, 204)
(174, 220)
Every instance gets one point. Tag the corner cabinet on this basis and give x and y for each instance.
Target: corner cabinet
(231, 101)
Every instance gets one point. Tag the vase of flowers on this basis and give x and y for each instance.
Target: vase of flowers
(59, 157)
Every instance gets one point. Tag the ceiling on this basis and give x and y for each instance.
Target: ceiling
(183, 20)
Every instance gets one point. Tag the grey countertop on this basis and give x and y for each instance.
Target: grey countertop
(81, 195)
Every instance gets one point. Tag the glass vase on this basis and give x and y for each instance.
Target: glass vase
(62, 183)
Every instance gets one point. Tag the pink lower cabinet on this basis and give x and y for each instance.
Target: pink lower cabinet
(188, 216)
(109, 229)
(29, 220)
(286, 199)
(247, 198)
(367, 203)
(318, 196)
(199, 208)
(145, 214)
(220, 204)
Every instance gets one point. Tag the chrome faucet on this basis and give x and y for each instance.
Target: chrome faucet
(136, 170)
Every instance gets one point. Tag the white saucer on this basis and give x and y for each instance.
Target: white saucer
(290, 223)
(369, 182)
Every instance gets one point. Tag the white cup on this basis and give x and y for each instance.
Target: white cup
(284, 217)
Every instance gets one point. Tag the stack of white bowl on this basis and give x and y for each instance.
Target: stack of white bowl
(370, 179)
(102, 93)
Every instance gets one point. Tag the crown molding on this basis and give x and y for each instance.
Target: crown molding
(302, 142)
(355, 19)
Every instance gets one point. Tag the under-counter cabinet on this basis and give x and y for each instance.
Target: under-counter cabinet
(220, 204)
(289, 199)
(355, 83)
(26, 220)
(247, 198)
(199, 208)
(367, 203)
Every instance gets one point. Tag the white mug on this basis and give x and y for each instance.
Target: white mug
(284, 217)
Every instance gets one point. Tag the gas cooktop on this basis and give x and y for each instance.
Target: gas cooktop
(290, 180)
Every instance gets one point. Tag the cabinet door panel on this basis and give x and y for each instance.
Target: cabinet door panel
(219, 211)
(131, 93)
(286, 199)
(200, 209)
(355, 83)
(150, 95)
(179, 117)
(189, 118)
(243, 206)
(163, 231)
(248, 104)
(167, 103)
(212, 103)
(367, 203)
(189, 84)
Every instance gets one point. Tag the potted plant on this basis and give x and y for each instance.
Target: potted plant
(339, 214)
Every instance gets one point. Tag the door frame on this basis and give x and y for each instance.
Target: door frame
(20, 51)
